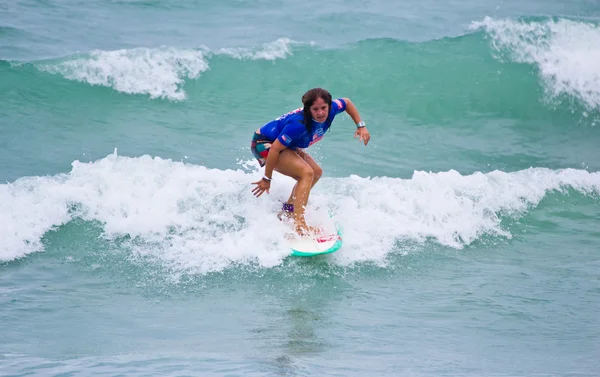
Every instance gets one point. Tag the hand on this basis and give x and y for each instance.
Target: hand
(261, 187)
(363, 135)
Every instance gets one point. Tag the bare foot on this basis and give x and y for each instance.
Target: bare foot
(284, 215)
(305, 230)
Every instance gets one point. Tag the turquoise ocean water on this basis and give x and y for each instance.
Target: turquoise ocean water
(131, 244)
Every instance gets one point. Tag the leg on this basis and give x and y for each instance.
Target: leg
(291, 164)
(318, 172)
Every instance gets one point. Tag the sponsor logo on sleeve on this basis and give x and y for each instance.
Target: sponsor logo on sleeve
(290, 113)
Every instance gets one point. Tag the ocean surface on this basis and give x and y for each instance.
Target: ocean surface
(131, 243)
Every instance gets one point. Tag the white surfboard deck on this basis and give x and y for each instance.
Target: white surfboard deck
(309, 246)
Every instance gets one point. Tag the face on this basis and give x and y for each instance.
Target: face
(319, 110)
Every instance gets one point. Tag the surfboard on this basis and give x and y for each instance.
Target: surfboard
(310, 246)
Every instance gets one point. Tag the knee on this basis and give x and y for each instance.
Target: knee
(308, 173)
(317, 173)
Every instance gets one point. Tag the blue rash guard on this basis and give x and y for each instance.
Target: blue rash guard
(290, 130)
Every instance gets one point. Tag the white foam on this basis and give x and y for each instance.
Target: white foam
(193, 219)
(27, 212)
(566, 53)
(159, 72)
(447, 207)
(279, 49)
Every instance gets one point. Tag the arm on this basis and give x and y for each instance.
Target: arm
(352, 110)
(263, 185)
(273, 157)
(361, 131)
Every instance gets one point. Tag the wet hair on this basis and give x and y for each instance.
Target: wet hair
(308, 99)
